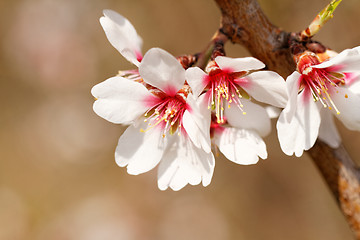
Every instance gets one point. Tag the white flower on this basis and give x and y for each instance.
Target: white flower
(228, 81)
(316, 86)
(237, 133)
(166, 123)
(122, 36)
(239, 137)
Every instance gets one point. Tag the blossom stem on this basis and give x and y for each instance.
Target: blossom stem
(205, 55)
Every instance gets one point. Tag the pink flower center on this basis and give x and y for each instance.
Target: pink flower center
(224, 89)
(167, 112)
(322, 82)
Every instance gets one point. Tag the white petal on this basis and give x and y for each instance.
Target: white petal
(184, 163)
(298, 132)
(267, 87)
(328, 131)
(272, 111)
(120, 100)
(192, 129)
(201, 116)
(160, 69)
(357, 49)
(122, 35)
(352, 78)
(256, 117)
(131, 56)
(349, 108)
(346, 61)
(355, 87)
(292, 88)
(140, 151)
(197, 79)
(241, 146)
(197, 124)
(239, 64)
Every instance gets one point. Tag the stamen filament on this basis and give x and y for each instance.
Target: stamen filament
(223, 88)
(169, 112)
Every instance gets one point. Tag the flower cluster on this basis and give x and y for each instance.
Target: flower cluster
(178, 114)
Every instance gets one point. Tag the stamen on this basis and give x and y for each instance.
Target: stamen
(167, 113)
(320, 82)
(332, 103)
(223, 88)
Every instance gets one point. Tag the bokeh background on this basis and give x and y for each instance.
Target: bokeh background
(58, 177)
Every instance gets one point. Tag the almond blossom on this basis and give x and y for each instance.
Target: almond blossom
(316, 91)
(229, 82)
(238, 125)
(165, 122)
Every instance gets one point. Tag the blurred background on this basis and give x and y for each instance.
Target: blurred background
(58, 177)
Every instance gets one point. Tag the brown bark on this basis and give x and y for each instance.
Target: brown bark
(244, 23)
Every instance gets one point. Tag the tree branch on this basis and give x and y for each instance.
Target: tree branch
(244, 23)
